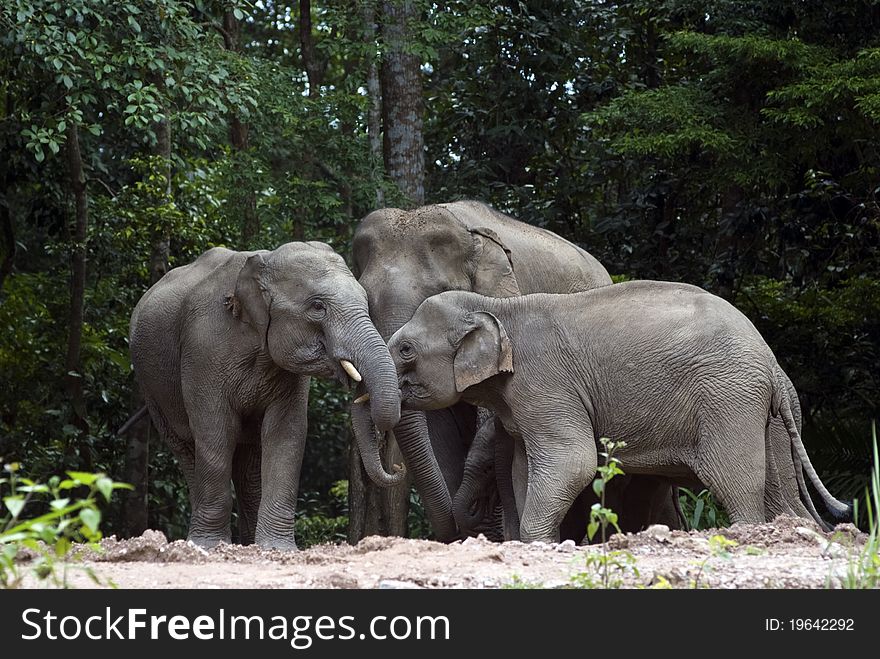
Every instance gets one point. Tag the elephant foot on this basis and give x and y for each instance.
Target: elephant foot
(281, 544)
(207, 542)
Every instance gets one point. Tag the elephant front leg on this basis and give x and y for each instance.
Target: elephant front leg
(561, 463)
(283, 445)
(215, 437)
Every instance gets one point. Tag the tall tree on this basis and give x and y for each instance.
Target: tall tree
(374, 95)
(135, 507)
(73, 361)
(402, 103)
(239, 137)
(398, 92)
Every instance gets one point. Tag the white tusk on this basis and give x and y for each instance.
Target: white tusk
(349, 368)
(362, 399)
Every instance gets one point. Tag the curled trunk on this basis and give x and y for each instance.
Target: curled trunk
(361, 342)
(369, 446)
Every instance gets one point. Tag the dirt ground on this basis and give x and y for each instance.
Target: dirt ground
(788, 553)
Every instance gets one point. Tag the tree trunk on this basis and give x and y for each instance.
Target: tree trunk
(73, 377)
(374, 96)
(402, 105)
(135, 508)
(395, 96)
(238, 138)
(727, 253)
(314, 71)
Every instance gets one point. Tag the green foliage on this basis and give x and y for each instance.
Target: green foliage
(677, 120)
(320, 520)
(863, 568)
(46, 519)
(701, 511)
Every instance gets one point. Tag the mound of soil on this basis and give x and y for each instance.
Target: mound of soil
(787, 553)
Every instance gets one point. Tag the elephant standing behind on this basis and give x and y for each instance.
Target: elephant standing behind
(403, 257)
(223, 349)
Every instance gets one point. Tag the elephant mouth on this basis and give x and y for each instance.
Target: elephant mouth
(318, 364)
(412, 392)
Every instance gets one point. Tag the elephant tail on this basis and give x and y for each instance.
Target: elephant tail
(840, 511)
(137, 416)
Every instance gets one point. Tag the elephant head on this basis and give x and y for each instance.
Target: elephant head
(309, 314)
(445, 349)
(401, 259)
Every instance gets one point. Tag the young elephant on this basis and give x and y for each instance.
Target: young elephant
(679, 374)
(223, 349)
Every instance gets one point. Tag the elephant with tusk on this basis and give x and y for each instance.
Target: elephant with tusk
(223, 350)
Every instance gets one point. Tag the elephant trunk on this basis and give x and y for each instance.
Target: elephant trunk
(465, 510)
(411, 434)
(369, 447)
(414, 442)
(369, 354)
(477, 496)
(372, 360)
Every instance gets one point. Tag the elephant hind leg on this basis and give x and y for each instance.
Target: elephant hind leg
(179, 439)
(731, 464)
(246, 479)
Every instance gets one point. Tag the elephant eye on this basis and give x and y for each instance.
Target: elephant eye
(406, 350)
(317, 305)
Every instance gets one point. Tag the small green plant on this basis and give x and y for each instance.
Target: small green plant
(605, 570)
(660, 583)
(701, 511)
(602, 517)
(863, 569)
(61, 519)
(719, 547)
(518, 583)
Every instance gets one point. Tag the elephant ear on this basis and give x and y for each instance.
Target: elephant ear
(492, 272)
(251, 299)
(483, 350)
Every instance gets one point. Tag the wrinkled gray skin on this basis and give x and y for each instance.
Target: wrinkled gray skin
(678, 374)
(223, 349)
(646, 499)
(403, 257)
